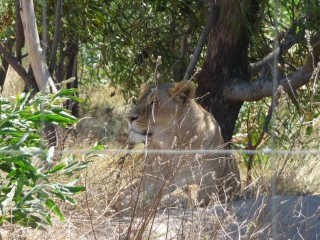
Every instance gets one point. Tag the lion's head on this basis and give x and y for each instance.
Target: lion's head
(165, 115)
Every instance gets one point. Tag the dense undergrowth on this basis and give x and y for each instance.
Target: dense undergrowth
(34, 186)
(34, 179)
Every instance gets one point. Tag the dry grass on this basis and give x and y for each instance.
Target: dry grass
(109, 209)
(103, 117)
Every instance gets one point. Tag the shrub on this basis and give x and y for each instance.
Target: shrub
(30, 180)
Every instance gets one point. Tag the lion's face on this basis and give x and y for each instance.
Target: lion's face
(167, 117)
(158, 112)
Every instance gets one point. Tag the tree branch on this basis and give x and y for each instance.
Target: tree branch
(17, 67)
(210, 24)
(290, 39)
(56, 38)
(19, 32)
(41, 73)
(239, 90)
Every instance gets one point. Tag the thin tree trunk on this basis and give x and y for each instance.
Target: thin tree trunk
(72, 72)
(56, 38)
(60, 68)
(195, 57)
(19, 32)
(41, 73)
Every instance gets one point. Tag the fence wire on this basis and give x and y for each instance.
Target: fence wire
(271, 151)
(266, 151)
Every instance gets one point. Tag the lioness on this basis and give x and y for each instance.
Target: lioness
(167, 117)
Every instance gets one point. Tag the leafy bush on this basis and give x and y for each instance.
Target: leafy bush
(29, 185)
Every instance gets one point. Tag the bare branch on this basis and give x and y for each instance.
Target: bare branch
(210, 24)
(41, 73)
(239, 90)
(19, 32)
(290, 39)
(17, 67)
(56, 38)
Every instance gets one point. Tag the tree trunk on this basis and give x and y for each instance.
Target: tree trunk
(72, 72)
(39, 68)
(226, 58)
(19, 32)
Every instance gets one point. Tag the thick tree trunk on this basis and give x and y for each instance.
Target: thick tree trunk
(226, 58)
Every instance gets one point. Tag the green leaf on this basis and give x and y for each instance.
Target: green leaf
(75, 189)
(19, 189)
(48, 219)
(309, 130)
(56, 168)
(5, 204)
(66, 92)
(95, 148)
(27, 220)
(70, 200)
(6, 167)
(23, 139)
(53, 207)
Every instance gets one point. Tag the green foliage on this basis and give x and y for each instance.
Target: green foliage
(6, 17)
(121, 40)
(293, 17)
(132, 34)
(32, 179)
(293, 126)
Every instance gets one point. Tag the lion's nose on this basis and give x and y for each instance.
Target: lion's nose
(132, 118)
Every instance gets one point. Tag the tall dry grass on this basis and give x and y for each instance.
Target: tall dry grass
(114, 207)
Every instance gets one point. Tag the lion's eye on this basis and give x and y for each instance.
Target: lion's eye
(153, 103)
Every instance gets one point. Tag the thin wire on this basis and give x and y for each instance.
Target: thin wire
(265, 151)
(273, 122)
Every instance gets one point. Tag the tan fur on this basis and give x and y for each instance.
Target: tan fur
(167, 117)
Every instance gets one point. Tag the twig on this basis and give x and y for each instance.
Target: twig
(210, 24)
(87, 203)
(121, 161)
(17, 67)
(290, 39)
(56, 37)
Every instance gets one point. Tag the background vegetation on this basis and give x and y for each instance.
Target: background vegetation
(106, 49)
(32, 175)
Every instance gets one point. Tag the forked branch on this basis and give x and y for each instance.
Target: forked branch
(17, 67)
(240, 90)
(290, 38)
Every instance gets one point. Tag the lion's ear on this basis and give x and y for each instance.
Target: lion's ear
(143, 90)
(183, 91)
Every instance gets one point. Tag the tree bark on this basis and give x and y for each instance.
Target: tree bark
(56, 38)
(239, 90)
(226, 57)
(17, 67)
(291, 37)
(72, 72)
(19, 32)
(210, 24)
(41, 73)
